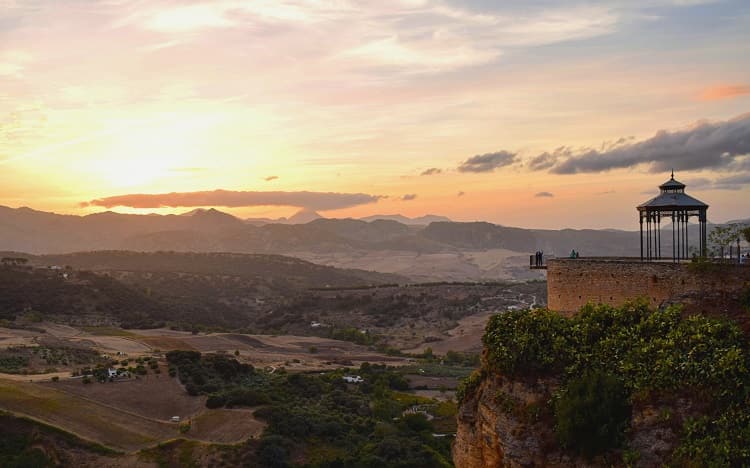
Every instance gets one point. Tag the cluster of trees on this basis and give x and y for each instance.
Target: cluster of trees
(320, 418)
(14, 261)
(608, 358)
(217, 375)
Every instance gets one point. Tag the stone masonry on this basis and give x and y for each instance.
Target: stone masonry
(571, 283)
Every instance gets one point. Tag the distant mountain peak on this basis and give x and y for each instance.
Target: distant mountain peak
(206, 212)
(421, 220)
(304, 216)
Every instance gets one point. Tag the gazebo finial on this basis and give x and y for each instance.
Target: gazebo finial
(673, 173)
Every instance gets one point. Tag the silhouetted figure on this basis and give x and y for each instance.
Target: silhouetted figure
(573, 253)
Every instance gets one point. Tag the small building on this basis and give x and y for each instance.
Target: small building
(175, 419)
(353, 379)
(111, 373)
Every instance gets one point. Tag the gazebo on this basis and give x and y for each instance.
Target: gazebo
(674, 204)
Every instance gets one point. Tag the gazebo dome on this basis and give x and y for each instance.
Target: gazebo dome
(672, 185)
(672, 197)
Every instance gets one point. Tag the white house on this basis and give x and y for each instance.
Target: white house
(111, 373)
(353, 379)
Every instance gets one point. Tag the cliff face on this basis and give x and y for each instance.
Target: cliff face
(505, 423)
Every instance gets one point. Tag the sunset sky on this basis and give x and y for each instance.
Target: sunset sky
(535, 113)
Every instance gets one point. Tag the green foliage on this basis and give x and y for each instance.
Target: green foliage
(319, 414)
(13, 364)
(354, 335)
(216, 375)
(469, 385)
(723, 236)
(644, 352)
(274, 451)
(745, 297)
(717, 441)
(456, 358)
(526, 341)
(591, 413)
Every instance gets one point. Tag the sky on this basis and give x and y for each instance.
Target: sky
(544, 114)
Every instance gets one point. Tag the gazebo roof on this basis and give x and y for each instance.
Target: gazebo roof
(672, 184)
(672, 197)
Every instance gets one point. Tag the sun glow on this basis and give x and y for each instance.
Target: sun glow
(145, 154)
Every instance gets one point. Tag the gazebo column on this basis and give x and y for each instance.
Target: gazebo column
(678, 219)
(648, 236)
(687, 239)
(658, 235)
(674, 242)
(640, 222)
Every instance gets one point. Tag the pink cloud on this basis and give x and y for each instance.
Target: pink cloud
(724, 91)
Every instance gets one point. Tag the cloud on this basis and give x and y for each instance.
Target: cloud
(547, 159)
(234, 199)
(722, 145)
(733, 182)
(544, 195)
(431, 171)
(409, 197)
(460, 194)
(725, 91)
(488, 162)
(407, 36)
(270, 178)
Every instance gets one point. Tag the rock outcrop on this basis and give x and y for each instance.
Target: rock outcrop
(506, 423)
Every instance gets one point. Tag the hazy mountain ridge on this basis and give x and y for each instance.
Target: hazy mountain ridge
(439, 251)
(33, 231)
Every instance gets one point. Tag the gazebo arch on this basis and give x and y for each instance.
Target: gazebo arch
(674, 204)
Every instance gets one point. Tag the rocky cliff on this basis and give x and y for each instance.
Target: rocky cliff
(509, 424)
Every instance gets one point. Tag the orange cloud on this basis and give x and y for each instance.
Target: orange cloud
(722, 92)
(234, 199)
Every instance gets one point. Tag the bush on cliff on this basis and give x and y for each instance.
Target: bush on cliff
(592, 413)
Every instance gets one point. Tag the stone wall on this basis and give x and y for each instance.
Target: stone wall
(571, 283)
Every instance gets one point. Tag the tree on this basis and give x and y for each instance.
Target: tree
(592, 413)
(746, 233)
(723, 236)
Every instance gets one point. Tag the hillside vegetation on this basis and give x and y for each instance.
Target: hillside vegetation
(147, 290)
(612, 362)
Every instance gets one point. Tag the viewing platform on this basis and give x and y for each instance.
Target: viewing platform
(732, 259)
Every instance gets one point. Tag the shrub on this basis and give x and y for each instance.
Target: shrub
(274, 451)
(527, 341)
(592, 413)
(468, 385)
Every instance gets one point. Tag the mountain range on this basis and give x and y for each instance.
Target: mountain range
(439, 250)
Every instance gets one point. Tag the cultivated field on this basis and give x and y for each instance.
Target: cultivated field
(154, 396)
(484, 265)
